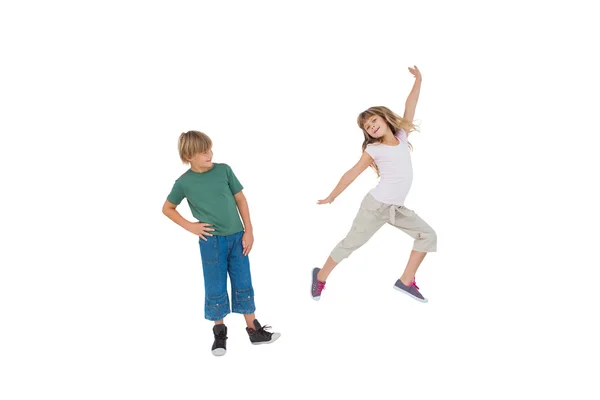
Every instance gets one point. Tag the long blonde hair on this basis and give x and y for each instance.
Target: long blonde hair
(393, 120)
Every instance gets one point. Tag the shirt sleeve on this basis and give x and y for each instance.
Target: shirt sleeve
(234, 185)
(401, 134)
(371, 151)
(176, 196)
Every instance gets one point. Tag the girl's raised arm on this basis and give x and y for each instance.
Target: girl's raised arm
(413, 97)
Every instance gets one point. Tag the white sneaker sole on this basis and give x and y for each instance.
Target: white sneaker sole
(219, 352)
(410, 295)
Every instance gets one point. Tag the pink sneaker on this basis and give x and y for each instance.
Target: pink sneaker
(317, 286)
(412, 290)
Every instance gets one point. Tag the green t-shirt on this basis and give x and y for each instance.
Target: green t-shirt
(210, 197)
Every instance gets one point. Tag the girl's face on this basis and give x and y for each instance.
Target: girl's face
(202, 160)
(376, 126)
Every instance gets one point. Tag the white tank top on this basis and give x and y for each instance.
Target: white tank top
(395, 168)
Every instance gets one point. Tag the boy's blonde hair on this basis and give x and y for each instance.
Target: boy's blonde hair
(192, 143)
(394, 121)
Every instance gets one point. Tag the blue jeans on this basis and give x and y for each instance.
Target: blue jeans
(222, 255)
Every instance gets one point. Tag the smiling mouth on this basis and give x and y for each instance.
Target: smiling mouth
(376, 130)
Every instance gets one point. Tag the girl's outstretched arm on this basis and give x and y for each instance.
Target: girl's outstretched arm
(413, 97)
(349, 177)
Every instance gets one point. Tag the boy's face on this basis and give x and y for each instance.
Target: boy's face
(202, 160)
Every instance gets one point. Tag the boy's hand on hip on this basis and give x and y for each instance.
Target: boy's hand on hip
(247, 242)
(200, 229)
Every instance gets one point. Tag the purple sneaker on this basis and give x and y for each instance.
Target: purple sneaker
(412, 290)
(317, 286)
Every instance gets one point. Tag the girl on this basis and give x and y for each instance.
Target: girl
(387, 150)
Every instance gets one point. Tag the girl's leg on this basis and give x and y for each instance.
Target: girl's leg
(425, 240)
(326, 270)
(368, 220)
(415, 259)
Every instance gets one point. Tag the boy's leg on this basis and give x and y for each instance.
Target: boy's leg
(242, 292)
(216, 300)
(249, 320)
(214, 268)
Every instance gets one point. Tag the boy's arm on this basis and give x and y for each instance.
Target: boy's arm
(197, 228)
(169, 209)
(349, 177)
(248, 238)
(413, 97)
(242, 205)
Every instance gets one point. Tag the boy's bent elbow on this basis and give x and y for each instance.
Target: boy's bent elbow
(167, 207)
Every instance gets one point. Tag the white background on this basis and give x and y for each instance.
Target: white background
(101, 296)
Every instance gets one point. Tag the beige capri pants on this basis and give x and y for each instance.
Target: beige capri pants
(372, 215)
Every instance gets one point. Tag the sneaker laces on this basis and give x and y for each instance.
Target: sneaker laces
(413, 283)
(264, 327)
(261, 332)
(320, 286)
(220, 339)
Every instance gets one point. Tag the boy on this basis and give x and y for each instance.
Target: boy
(215, 195)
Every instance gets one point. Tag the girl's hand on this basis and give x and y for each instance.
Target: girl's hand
(325, 201)
(415, 71)
(247, 242)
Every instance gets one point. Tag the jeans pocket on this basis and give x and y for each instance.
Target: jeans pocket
(216, 307)
(209, 251)
(244, 299)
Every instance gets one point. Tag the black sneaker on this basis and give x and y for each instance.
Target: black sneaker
(260, 336)
(219, 347)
